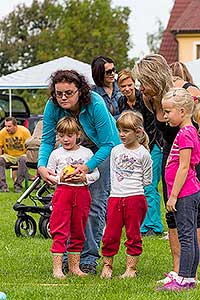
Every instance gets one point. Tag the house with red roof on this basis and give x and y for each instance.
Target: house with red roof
(181, 39)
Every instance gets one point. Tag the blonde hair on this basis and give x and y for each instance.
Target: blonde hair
(154, 71)
(180, 97)
(180, 70)
(125, 74)
(68, 125)
(196, 113)
(134, 120)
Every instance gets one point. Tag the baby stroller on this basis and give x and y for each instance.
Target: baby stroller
(25, 225)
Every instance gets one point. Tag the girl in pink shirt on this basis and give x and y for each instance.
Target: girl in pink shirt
(182, 184)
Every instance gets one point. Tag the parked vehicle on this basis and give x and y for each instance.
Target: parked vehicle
(19, 110)
(31, 122)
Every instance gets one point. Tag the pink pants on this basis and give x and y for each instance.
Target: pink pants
(129, 212)
(71, 207)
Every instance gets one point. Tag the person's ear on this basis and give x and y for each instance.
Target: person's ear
(182, 111)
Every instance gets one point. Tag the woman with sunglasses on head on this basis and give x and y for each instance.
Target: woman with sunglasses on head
(103, 74)
(71, 96)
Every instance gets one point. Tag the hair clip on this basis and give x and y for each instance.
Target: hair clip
(174, 93)
(195, 98)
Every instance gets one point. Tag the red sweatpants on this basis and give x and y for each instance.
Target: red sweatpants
(129, 212)
(71, 205)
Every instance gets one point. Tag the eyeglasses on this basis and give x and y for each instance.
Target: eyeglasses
(67, 94)
(110, 71)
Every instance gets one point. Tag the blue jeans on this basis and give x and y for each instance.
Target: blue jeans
(153, 217)
(186, 219)
(100, 191)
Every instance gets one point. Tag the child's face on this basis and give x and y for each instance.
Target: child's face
(172, 114)
(128, 138)
(68, 141)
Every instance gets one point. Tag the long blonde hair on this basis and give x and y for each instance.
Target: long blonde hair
(153, 71)
(134, 120)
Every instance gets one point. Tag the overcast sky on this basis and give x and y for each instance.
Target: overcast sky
(144, 14)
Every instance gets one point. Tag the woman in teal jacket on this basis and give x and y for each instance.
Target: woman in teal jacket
(71, 95)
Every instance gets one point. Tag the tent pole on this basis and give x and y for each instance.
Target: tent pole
(10, 103)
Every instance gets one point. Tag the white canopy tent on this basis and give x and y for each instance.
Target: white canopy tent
(37, 77)
(194, 69)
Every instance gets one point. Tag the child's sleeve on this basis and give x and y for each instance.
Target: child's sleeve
(52, 165)
(147, 168)
(93, 176)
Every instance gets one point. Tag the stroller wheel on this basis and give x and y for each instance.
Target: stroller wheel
(25, 226)
(44, 227)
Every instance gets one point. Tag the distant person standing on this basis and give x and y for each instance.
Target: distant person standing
(13, 152)
(103, 74)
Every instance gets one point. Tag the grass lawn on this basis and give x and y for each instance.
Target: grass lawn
(26, 268)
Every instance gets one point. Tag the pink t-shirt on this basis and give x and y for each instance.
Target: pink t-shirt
(187, 137)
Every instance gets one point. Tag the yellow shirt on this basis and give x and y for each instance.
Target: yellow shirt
(14, 144)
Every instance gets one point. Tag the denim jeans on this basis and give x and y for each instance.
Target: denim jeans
(186, 219)
(100, 191)
(153, 217)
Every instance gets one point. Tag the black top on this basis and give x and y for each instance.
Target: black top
(154, 134)
(188, 84)
(169, 133)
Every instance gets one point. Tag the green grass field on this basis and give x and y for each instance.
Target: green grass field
(26, 268)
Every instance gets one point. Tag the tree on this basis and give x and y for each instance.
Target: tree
(47, 30)
(154, 39)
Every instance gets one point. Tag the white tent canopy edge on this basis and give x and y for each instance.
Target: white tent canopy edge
(37, 77)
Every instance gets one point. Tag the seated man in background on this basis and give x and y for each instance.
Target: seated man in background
(13, 152)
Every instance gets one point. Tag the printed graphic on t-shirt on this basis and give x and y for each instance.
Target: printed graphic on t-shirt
(14, 143)
(72, 161)
(124, 166)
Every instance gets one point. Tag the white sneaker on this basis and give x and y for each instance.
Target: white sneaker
(165, 237)
(169, 277)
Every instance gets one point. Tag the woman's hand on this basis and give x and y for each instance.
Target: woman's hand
(170, 205)
(47, 175)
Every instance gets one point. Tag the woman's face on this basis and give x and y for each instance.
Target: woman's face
(127, 87)
(109, 74)
(147, 90)
(67, 95)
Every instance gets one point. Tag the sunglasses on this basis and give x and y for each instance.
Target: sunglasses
(67, 94)
(110, 71)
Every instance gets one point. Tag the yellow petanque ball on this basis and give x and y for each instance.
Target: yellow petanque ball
(68, 170)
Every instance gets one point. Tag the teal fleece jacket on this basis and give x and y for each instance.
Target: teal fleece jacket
(96, 121)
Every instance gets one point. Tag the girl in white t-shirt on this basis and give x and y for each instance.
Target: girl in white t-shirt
(131, 170)
(71, 200)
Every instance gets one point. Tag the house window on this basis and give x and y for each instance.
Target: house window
(197, 51)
